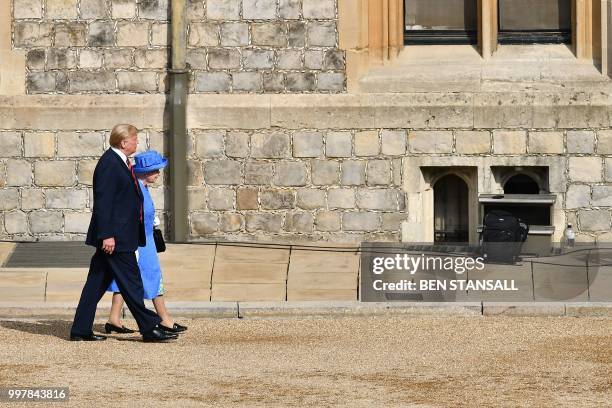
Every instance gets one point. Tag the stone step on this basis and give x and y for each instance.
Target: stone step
(17, 285)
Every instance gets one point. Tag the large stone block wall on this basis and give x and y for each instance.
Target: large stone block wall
(310, 184)
(338, 185)
(46, 181)
(340, 168)
(347, 185)
(235, 46)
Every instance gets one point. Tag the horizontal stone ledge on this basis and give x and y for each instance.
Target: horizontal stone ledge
(354, 308)
(201, 309)
(91, 112)
(205, 309)
(321, 111)
(593, 309)
(228, 111)
(527, 309)
(542, 110)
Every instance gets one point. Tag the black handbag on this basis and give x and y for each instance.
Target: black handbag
(160, 245)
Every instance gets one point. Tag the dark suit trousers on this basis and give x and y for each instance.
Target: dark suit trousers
(123, 267)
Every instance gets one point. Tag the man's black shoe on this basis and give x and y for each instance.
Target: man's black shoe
(158, 335)
(89, 337)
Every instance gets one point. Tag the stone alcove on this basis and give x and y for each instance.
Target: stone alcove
(482, 177)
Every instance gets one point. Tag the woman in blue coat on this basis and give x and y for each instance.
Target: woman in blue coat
(147, 167)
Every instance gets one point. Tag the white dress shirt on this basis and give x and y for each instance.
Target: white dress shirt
(121, 154)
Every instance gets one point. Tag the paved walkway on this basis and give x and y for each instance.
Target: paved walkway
(208, 273)
(225, 280)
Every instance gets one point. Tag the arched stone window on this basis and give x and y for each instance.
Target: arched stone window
(525, 196)
(521, 184)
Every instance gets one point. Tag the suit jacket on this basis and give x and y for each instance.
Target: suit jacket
(116, 207)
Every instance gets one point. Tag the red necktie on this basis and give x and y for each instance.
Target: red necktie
(135, 181)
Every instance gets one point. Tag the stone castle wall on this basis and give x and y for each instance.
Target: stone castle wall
(310, 184)
(336, 167)
(347, 185)
(234, 46)
(46, 181)
(278, 178)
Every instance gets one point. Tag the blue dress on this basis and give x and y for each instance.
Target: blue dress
(148, 262)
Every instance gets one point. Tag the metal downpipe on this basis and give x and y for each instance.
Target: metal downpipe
(179, 89)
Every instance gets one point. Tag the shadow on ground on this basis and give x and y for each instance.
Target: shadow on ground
(56, 328)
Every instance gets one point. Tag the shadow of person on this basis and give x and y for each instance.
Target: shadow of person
(56, 328)
(133, 338)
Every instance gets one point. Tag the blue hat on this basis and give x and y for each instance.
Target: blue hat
(149, 161)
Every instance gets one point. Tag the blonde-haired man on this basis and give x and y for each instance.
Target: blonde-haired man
(116, 230)
(122, 133)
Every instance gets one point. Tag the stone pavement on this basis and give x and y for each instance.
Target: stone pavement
(202, 273)
(246, 281)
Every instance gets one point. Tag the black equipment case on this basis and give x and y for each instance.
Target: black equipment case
(502, 237)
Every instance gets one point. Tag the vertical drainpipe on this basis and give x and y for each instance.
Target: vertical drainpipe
(179, 88)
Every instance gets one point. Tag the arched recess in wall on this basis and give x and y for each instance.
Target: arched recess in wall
(521, 184)
(451, 209)
(525, 196)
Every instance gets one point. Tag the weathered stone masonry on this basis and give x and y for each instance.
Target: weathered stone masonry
(316, 167)
(296, 184)
(45, 181)
(235, 46)
(304, 184)
(345, 185)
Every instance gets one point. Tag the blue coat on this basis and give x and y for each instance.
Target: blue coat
(148, 262)
(116, 206)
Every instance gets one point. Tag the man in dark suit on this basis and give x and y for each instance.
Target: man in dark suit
(116, 230)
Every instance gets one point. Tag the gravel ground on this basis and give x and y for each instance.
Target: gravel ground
(368, 361)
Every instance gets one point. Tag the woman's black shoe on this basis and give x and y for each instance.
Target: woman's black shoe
(177, 328)
(109, 328)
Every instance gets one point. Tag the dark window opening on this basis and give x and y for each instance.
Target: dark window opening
(440, 22)
(451, 218)
(529, 213)
(534, 21)
(521, 184)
